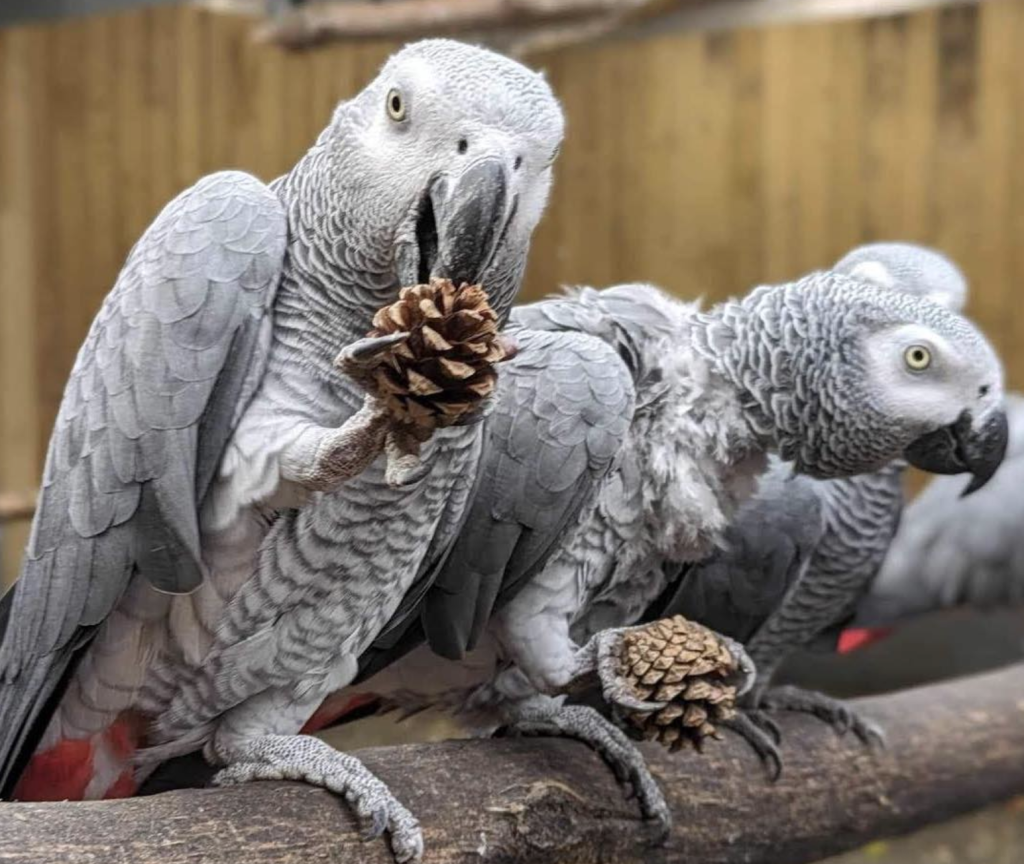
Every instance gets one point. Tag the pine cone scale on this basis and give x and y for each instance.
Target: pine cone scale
(684, 664)
(443, 371)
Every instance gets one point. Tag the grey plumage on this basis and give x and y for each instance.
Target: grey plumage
(146, 415)
(918, 270)
(196, 538)
(764, 552)
(798, 557)
(803, 552)
(564, 412)
(802, 369)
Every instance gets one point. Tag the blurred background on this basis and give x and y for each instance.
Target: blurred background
(712, 145)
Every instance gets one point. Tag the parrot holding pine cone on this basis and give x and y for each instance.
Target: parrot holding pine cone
(217, 541)
(436, 372)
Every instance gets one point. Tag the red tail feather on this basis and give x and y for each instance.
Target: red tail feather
(333, 708)
(64, 771)
(857, 637)
(60, 773)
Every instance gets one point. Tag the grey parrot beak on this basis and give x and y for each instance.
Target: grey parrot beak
(472, 214)
(960, 448)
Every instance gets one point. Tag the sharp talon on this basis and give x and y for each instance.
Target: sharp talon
(301, 757)
(663, 832)
(870, 734)
(836, 713)
(767, 724)
(624, 700)
(378, 824)
(760, 742)
(407, 845)
(614, 688)
(618, 752)
(365, 351)
(745, 668)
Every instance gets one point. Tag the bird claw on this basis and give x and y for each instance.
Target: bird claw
(835, 712)
(377, 824)
(746, 671)
(301, 757)
(550, 718)
(616, 689)
(365, 353)
(763, 736)
(766, 724)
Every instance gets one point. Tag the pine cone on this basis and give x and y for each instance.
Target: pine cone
(446, 367)
(680, 662)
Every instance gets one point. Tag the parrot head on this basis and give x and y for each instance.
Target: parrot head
(931, 275)
(448, 153)
(945, 384)
(849, 376)
(908, 267)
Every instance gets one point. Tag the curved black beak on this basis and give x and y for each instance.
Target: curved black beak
(472, 213)
(960, 448)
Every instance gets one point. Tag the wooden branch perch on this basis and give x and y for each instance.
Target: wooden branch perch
(524, 26)
(409, 19)
(952, 748)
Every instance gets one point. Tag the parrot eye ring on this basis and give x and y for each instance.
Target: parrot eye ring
(396, 105)
(917, 357)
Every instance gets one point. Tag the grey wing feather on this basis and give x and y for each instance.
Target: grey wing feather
(147, 411)
(564, 409)
(765, 551)
(956, 551)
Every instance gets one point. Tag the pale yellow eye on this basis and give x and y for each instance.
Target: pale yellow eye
(396, 106)
(918, 358)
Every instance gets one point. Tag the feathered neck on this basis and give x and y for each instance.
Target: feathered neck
(340, 263)
(790, 352)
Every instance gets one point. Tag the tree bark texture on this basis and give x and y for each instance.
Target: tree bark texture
(952, 748)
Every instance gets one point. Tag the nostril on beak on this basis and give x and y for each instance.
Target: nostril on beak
(983, 390)
(518, 163)
(463, 145)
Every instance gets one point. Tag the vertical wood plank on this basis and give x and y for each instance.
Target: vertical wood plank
(704, 162)
(21, 107)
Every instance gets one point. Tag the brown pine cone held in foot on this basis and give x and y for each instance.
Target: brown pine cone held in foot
(680, 662)
(445, 369)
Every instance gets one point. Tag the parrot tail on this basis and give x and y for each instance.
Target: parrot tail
(342, 707)
(77, 769)
(853, 638)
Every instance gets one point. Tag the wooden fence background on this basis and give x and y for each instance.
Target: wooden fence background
(703, 162)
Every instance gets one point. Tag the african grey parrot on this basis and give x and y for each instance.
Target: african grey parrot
(199, 575)
(954, 551)
(626, 433)
(802, 552)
